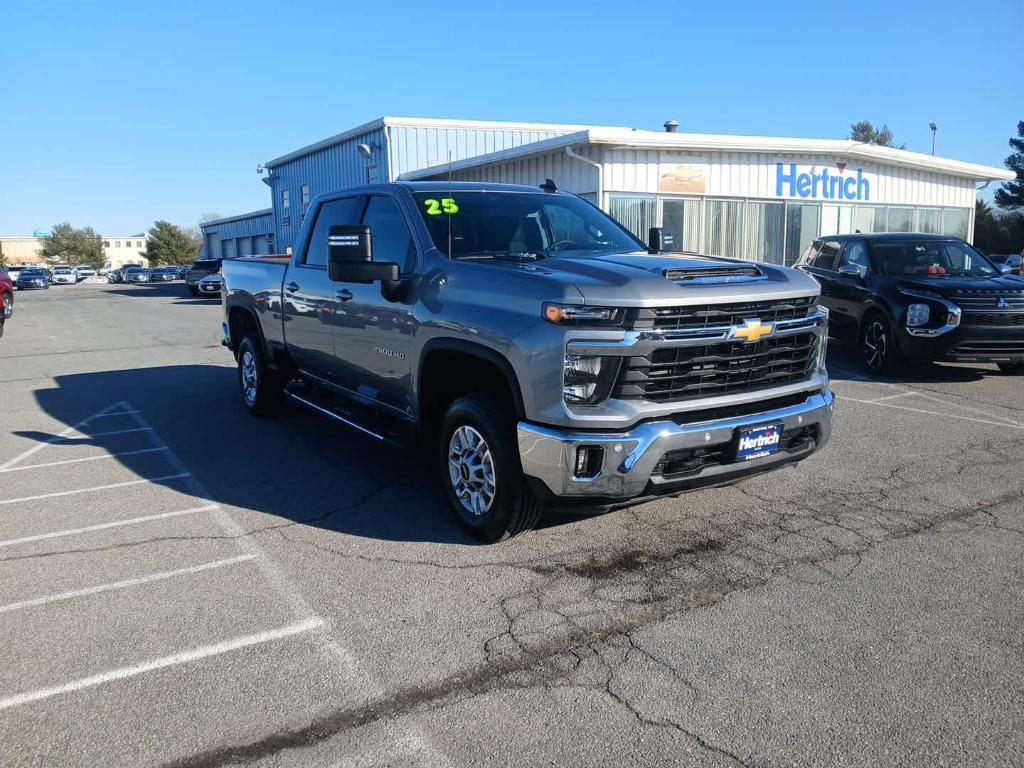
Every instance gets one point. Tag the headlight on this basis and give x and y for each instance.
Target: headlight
(588, 380)
(918, 315)
(573, 314)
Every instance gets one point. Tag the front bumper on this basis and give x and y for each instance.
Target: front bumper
(631, 457)
(966, 343)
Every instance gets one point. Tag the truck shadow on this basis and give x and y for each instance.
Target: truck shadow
(145, 290)
(297, 467)
(844, 363)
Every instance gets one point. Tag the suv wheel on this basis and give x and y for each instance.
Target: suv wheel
(878, 345)
(480, 470)
(8, 304)
(1012, 369)
(261, 387)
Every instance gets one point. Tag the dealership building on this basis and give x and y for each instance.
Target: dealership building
(751, 197)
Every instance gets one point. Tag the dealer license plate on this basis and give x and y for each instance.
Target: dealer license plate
(758, 441)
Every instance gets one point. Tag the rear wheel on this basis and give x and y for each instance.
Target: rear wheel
(878, 345)
(8, 304)
(1012, 369)
(261, 387)
(480, 470)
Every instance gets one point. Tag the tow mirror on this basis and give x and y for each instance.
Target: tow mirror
(658, 240)
(1006, 268)
(350, 256)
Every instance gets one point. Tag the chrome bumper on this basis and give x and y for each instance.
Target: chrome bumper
(630, 457)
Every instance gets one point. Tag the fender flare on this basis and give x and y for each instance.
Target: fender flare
(477, 350)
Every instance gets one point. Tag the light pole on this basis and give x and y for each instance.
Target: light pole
(934, 128)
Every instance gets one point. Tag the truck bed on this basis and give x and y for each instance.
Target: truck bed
(256, 282)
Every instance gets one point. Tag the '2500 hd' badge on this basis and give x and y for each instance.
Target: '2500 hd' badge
(389, 353)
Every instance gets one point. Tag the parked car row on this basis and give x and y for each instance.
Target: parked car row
(60, 274)
(134, 273)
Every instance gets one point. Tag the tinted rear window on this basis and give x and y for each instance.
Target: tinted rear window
(208, 265)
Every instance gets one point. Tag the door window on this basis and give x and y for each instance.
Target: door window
(343, 211)
(827, 256)
(390, 234)
(856, 253)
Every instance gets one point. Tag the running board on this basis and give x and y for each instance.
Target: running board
(361, 417)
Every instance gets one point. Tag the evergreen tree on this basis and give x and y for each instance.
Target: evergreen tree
(75, 246)
(169, 244)
(1011, 194)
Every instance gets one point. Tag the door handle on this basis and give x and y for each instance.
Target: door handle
(343, 295)
(292, 287)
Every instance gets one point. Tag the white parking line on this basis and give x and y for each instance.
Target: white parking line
(64, 434)
(126, 583)
(55, 494)
(890, 397)
(82, 435)
(104, 526)
(87, 458)
(184, 657)
(945, 415)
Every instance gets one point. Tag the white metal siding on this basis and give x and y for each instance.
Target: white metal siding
(415, 147)
(568, 173)
(734, 174)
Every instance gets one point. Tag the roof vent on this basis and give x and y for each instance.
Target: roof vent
(671, 126)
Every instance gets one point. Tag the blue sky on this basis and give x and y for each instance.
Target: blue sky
(116, 114)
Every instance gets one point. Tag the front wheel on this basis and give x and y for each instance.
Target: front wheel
(1012, 369)
(878, 345)
(261, 387)
(480, 470)
(8, 305)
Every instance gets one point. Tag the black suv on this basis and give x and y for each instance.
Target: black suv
(905, 296)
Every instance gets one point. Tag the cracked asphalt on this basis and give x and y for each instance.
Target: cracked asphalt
(183, 585)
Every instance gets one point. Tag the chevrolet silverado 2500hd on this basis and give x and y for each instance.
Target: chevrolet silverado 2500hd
(543, 355)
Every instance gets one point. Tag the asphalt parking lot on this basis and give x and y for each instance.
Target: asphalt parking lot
(183, 585)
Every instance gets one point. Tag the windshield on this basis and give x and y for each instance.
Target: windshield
(32, 273)
(485, 224)
(62, 271)
(930, 258)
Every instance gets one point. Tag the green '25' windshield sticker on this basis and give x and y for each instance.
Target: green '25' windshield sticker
(437, 207)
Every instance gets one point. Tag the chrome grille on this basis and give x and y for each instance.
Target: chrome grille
(706, 370)
(713, 315)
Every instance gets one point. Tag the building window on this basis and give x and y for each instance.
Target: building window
(763, 227)
(117, 243)
(682, 218)
(801, 229)
(723, 220)
(955, 222)
(106, 243)
(138, 243)
(304, 195)
(901, 219)
(286, 201)
(637, 214)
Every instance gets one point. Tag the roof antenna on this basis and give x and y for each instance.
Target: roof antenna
(449, 198)
(549, 186)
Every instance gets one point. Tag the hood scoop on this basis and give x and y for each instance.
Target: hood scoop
(705, 275)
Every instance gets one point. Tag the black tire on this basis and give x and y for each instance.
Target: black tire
(512, 508)
(261, 388)
(8, 302)
(878, 345)
(1012, 369)
(193, 290)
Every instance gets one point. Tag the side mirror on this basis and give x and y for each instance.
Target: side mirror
(853, 270)
(350, 256)
(658, 240)
(1006, 268)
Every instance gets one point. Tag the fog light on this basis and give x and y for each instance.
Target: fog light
(917, 315)
(589, 460)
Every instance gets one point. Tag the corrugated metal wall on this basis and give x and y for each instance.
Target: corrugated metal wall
(327, 169)
(416, 147)
(568, 173)
(733, 174)
(240, 236)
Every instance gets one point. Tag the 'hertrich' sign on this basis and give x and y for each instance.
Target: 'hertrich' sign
(792, 180)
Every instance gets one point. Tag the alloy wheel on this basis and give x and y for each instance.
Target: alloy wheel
(250, 379)
(471, 470)
(875, 345)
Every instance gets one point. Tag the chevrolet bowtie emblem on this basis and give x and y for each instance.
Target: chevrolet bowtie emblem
(751, 331)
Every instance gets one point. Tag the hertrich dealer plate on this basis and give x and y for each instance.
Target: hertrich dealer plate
(758, 441)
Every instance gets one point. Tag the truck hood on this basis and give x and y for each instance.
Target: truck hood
(642, 279)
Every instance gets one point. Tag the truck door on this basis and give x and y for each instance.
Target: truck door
(374, 336)
(309, 300)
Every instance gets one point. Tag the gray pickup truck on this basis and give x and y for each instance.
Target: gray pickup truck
(541, 354)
